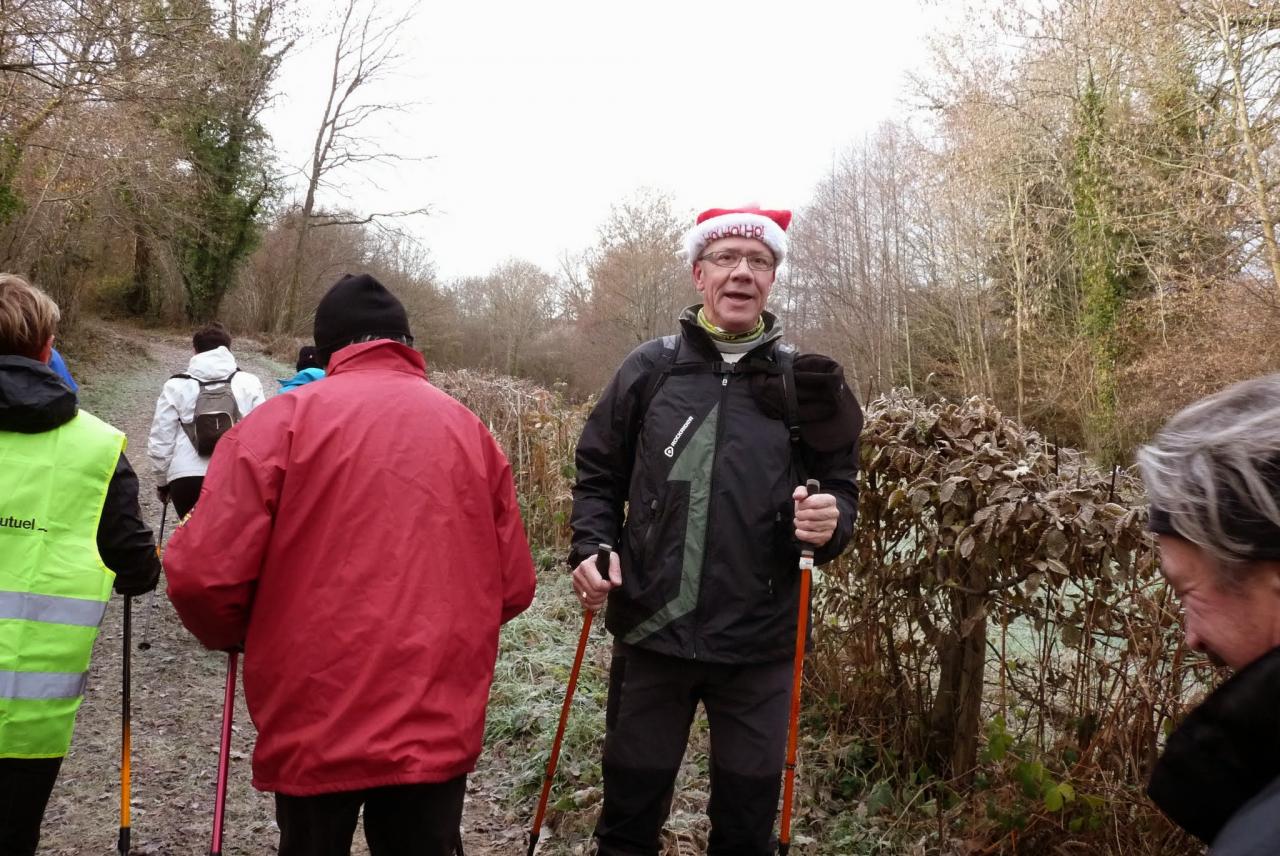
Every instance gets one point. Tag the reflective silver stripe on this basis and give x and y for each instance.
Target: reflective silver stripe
(42, 685)
(51, 609)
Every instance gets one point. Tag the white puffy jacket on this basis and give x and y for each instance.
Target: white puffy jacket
(172, 455)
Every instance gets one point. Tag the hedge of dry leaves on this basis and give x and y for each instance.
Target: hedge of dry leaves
(999, 623)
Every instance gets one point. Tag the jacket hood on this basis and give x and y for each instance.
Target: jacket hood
(1224, 753)
(212, 365)
(33, 399)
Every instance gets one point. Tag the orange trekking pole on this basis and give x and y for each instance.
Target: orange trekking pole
(602, 567)
(126, 716)
(122, 842)
(797, 677)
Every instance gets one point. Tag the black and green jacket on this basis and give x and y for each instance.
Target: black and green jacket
(708, 559)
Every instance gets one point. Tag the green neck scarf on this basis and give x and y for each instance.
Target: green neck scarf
(720, 335)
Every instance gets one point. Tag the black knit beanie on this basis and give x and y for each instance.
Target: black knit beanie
(307, 358)
(355, 308)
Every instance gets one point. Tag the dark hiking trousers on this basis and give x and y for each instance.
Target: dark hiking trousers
(400, 820)
(184, 492)
(25, 786)
(652, 699)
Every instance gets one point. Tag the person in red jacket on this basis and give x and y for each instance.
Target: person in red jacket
(360, 539)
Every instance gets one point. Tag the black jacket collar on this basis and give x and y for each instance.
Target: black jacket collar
(1224, 753)
(33, 399)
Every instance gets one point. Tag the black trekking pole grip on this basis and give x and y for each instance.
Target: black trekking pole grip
(812, 486)
(602, 561)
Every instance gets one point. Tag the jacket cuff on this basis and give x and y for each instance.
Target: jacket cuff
(577, 553)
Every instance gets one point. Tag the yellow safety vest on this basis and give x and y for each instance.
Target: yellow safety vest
(53, 585)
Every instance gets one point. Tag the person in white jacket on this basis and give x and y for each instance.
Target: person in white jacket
(179, 469)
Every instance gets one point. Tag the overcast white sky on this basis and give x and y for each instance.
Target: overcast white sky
(537, 116)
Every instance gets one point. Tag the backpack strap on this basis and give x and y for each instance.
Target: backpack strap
(791, 412)
(658, 374)
(204, 383)
(227, 379)
(720, 367)
(787, 363)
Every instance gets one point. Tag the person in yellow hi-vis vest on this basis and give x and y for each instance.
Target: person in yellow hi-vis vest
(70, 528)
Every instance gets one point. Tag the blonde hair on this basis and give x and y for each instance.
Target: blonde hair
(28, 317)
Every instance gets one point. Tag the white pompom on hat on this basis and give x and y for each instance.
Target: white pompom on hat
(770, 227)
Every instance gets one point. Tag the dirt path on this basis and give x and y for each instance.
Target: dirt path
(177, 685)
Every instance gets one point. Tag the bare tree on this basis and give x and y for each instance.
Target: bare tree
(366, 51)
(638, 283)
(507, 310)
(852, 277)
(1247, 37)
(110, 111)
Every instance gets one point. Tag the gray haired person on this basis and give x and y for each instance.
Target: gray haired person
(1213, 478)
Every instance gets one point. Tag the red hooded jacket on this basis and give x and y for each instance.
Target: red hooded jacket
(360, 538)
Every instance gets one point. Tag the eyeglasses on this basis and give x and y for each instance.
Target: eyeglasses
(730, 259)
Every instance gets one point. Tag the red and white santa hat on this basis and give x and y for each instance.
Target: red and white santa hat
(748, 222)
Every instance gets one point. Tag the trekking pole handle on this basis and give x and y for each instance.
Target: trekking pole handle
(602, 561)
(812, 486)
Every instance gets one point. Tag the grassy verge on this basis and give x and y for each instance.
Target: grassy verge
(844, 804)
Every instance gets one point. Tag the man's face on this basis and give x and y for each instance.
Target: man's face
(1233, 625)
(733, 298)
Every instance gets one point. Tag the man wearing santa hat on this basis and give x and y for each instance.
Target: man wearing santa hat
(702, 435)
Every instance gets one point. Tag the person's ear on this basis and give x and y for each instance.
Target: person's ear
(697, 277)
(46, 351)
(1270, 575)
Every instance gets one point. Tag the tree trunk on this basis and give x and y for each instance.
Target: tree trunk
(954, 722)
(140, 300)
(293, 290)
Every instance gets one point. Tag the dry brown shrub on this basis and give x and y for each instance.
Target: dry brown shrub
(1199, 342)
(539, 431)
(999, 623)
